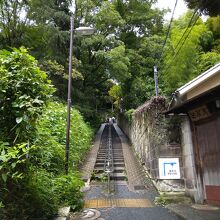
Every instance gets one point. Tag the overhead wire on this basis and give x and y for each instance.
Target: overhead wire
(189, 24)
(168, 31)
(176, 54)
(164, 44)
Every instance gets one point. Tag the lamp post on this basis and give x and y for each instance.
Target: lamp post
(82, 31)
(156, 80)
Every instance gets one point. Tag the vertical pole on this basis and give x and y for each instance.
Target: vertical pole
(69, 97)
(109, 182)
(156, 80)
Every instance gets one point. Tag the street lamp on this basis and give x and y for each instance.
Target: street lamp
(82, 31)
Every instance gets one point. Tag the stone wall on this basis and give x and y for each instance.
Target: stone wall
(154, 136)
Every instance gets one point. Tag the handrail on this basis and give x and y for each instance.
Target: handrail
(108, 165)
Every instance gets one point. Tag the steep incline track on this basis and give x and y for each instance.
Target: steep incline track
(110, 156)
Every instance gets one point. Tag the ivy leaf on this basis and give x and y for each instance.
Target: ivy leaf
(4, 177)
(3, 152)
(3, 158)
(19, 120)
(13, 165)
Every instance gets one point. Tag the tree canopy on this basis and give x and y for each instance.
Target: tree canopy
(211, 8)
(114, 66)
(127, 44)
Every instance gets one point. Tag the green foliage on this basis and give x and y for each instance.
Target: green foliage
(40, 192)
(12, 161)
(213, 24)
(208, 60)
(128, 115)
(108, 18)
(115, 94)
(195, 55)
(52, 19)
(24, 90)
(169, 198)
(160, 201)
(48, 192)
(20, 183)
(38, 182)
(66, 187)
(119, 63)
(12, 24)
(120, 25)
(103, 177)
(90, 115)
(51, 135)
(211, 8)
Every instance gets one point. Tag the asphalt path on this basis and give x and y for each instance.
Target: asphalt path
(122, 192)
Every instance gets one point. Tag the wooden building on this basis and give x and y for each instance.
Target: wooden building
(199, 101)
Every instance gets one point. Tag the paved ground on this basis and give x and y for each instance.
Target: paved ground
(144, 197)
(128, 197)
(187, 212)
(137, 191)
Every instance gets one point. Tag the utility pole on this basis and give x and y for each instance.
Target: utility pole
(156, 80)
(69, 97)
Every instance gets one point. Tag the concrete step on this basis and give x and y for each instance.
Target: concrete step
(100, 160)
(99, 165)
(114, 161)
(119, 164)
(118, 160)
(113, 176)
(116, 169)
(118, 176)
(116, 165)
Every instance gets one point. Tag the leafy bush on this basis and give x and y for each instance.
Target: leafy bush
(24, 89)
(43, 187)
(51, 136)
(32, 143)
(68, 190)
(39, 199)
(13, 166)
(12, 161)
(128, 115)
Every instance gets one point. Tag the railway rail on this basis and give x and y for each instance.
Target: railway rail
(110, 167)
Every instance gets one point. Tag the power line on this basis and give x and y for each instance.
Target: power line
(176, 54)
(189, 24)
(165, 41)
(168, 32)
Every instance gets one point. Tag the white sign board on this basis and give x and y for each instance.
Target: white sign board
(169, 168)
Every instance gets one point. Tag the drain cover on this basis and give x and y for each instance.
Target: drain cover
(139, 187)
(90, 214)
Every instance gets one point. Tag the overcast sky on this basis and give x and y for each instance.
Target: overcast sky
(180, 8)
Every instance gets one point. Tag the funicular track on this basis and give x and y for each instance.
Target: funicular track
(110, 161)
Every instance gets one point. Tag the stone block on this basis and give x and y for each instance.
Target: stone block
(64, 211)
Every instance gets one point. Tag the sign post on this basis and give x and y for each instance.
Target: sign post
(169, 168)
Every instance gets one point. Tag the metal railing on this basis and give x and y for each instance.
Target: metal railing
(109, 165)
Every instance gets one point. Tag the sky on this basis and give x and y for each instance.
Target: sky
(180, 8)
